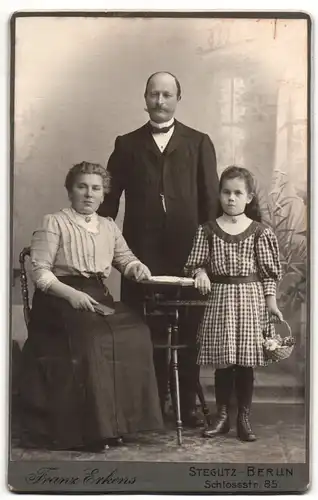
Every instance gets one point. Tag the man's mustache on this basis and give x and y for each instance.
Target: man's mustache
(156, 108)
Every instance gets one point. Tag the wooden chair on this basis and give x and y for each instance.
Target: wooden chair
(24, 284)
(16, 349)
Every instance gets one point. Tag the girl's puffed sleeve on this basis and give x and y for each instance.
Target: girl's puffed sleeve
(199, 257)
(44, 246)
(268, 262)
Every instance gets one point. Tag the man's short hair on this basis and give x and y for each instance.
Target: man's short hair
(166, 73)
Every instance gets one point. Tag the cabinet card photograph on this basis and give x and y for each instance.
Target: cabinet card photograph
(160, 233)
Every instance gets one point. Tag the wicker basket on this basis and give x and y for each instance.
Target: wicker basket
(284, 346)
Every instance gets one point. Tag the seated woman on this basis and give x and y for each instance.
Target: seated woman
(87, 378)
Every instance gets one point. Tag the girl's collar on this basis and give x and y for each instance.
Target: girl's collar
(233, 218)
(234, 238)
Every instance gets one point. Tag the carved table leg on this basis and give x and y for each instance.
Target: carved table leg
(168, 364)
(175, 371)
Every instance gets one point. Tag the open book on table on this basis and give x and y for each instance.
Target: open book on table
(172, 279)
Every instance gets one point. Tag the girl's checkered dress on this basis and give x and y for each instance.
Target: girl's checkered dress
(235, 318)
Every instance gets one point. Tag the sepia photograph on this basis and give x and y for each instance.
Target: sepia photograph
(160, 234)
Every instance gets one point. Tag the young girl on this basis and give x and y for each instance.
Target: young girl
(235, 260)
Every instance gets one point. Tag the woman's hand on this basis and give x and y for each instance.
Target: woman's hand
(273, 309)
(202, 283)
(139, 272)
(81, 300)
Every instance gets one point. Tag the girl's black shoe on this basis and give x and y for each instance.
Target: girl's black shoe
(221, 424)
(244, 430)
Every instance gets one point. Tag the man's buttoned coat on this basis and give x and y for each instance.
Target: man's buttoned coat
(167, 195)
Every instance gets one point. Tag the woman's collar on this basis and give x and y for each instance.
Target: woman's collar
(87, 218)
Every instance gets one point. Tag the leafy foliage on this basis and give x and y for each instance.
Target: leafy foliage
(280, 214)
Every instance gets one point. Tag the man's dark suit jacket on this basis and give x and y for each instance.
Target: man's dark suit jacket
(185, 174)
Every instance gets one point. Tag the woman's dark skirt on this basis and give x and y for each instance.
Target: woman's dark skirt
(86, 377)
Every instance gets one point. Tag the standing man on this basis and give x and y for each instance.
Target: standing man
(168, 173)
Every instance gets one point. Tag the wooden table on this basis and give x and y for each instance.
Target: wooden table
(156, 303)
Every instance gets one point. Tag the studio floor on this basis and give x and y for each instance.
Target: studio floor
(280, 429)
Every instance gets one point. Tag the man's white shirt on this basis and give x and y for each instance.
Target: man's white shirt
(162, 139)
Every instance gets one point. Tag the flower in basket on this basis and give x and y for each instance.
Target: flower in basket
(272, 343)
(289, 341)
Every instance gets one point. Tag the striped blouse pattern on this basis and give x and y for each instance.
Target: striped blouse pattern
(63, 246)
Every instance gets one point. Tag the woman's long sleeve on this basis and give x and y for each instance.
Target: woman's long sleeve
(199, 257)
(123, 256)
(44, 246)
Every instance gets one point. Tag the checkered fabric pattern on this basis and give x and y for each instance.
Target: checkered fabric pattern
(235, 318)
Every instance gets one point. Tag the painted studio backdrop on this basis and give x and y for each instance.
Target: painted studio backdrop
(79, 82)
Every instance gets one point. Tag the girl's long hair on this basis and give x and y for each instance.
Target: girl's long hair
(252, 209)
